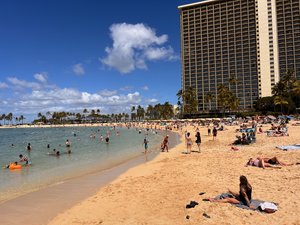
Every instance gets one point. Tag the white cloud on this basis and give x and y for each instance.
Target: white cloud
(107, 93)
(133, 45)
(41, 77)
(21, 84)
(29, 98)
(78, 69)
(72, 99)
(126, 88)
(145, 88)
(151, 101)
(3, 85)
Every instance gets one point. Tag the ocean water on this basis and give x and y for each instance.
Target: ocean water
(88, 155)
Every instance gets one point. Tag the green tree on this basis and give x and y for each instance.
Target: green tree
(22, 118)
(9, 117)
(280, 100)
(208, 98)
(189, 99)
(2, 117)
(140, 112)
(133, 114)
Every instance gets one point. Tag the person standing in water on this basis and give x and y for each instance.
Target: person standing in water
(146, 144)
(165, 144)
(24, 158)
(68, 143)
(29, 147)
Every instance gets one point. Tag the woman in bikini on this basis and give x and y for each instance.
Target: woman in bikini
(189, 143)
(266, 162)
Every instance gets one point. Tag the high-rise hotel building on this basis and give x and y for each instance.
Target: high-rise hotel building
(247, 45)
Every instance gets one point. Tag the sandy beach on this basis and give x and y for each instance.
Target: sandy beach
(158, 191)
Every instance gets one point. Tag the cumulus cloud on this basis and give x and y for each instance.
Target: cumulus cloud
(21, 84)
(72, 99)
(41, 77)
(126, 88)
(42, 97)
(133, 45)
(3, 85)
(151, 101)
(107, 93)
(78, 69)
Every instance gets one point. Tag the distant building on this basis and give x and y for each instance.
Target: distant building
(247, 45)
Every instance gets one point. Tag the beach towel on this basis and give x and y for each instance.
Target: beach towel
(289, 147)
(259, 205)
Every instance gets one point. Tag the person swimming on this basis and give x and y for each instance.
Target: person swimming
(68, 143)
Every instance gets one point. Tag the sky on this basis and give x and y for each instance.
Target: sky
(68, 55)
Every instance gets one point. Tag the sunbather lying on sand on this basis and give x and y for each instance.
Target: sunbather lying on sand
(266, 162)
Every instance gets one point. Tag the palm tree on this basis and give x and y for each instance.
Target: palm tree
(140, 112)
(296, 87)
(133, 115)
(189, 99)
(22, 118)
(232, 81)
(179, 102)
(9, 117)
(48, 114)
(39, 115)
(167, 111)
(208, 98)
(149, 111)
(126, 116)
(279, 89)
(280, 100)
(2, 117)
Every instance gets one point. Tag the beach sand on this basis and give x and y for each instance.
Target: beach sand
(157, 192)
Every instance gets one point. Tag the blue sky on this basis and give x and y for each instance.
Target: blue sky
(73, 54)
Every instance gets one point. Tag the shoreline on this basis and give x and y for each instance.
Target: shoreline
(50, 197)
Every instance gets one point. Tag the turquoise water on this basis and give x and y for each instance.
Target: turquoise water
(88, 154)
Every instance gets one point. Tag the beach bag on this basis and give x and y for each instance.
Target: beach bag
(268, 207)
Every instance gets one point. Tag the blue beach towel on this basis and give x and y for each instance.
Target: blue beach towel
(289, 147)
(258, 204)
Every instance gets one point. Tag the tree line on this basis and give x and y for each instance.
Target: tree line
(138, 113)
(285, 97)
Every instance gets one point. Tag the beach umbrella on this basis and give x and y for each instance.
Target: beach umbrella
(272, 117)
